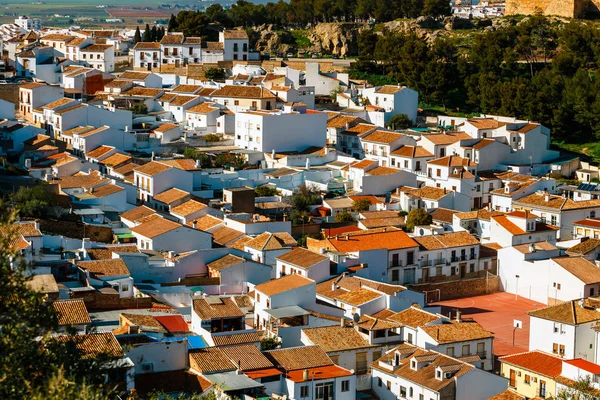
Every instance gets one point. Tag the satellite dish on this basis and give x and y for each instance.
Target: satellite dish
(356, 317)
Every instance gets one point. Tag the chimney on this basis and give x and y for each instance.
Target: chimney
(305, 375)
(347, 126)
(171, 254)
(152, 156)
(273, 154)
(458, 315)
(198, 164)
(195, 224)
(239, 367)
(347, 237)
(28, 163)
(126, 128)
(342, 322)
(547, 197)
(531, 248)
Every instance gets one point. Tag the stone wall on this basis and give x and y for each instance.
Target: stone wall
(561, 8)
(95, 300)
(10, 92)
(458, 289)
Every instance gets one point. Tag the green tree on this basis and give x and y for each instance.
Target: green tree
(436, 8)
(140, 21)
(137, 36)
(153, 34)
(399, 121)
(343, 216)
(140, 108)
(147, 36)
(305, 197)
(215, 74)
(32, 201)
(173, 24)
(361, 205)
(270, 343)
(416, 217)
(194, 154)
(34, 365)
(265, 191)
(582, 389)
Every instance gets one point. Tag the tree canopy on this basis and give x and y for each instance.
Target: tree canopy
(416, 217)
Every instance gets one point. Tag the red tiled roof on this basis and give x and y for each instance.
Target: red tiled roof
(173, 323)
(585, 365)
(536, 361)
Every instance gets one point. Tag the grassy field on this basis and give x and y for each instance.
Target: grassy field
(587, 151)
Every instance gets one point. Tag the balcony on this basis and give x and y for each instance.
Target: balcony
(482, 354)
(459, 258)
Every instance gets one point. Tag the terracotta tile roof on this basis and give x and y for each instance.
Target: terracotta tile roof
(336, 338)
(105, 253)
(581, 268)
(389, 89)
(59, 103)
(180, 100)
(452, 161)
(483, 214)
(105, 190)
(571, 312)
(383, 137)
(302, 258)
(426, 375)
(442, 214)
(203, 108)
(426, 192)
(411, 152)
(57, 37)
(171, 195)
(172, 38)
(167, 97)
(372, 323)
(235, 34)
(372, 240)
(355, 297)
(247, 356)
(483, 143)
(146, 322)
(94, 344)
(485, 123)
(69, 109)
(116, 160)
(363, 164)
(237, 339)
(224, 262)
(584, 247)
(413, 317)
(105, 268)
(254, 92)
(355, 282)
(28, 229)
(341, 121)
(206, 222)
(240, 243)
(186, 89)
(210, 360)
(272, 241)
(192, 40)
(216, 308)
(185, 164)
(527, 128)
(79, 181)
(448, 240)
(142, 92)
(441, 139)
(378, 171)
(187, 208)
(585, 365)
(152, 168)
(295, 358)
(512, 228)
(135, 75)
(536, 361)
(155, 227)
(591, 222)
(206, 91)
(71, 312)
(538, 246)
(283, 284)
(456, 332)
(165, 127)
(137, 213)
(358, 129)
(95, 48)
(94, 131)
(554, 202)
(224, 235)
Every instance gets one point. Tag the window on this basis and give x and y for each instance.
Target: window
(254, 104)
(438, 172)
(409, 338)
(245, 47)
(527, 379)
(402, 391)
(450, 351)
(125, 288)
(481, 350)
(334, 359)
(258, 297)
(361, 363)
(410, 392)
(346, 386)
(236, 102)
(554, 348)
(379, 382)
(413, 364)
(324, 391)
(466, 350)
(553, 220)
(561, 349)
(304, 391)
(388, 384)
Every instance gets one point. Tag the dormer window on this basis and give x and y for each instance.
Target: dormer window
(413, 365)
(438, 375)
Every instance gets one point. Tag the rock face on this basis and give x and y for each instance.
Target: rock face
(340, 39)
(267, 40)
(560, 8)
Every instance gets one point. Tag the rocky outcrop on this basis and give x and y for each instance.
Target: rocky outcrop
(340, 39)
(267, 40)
